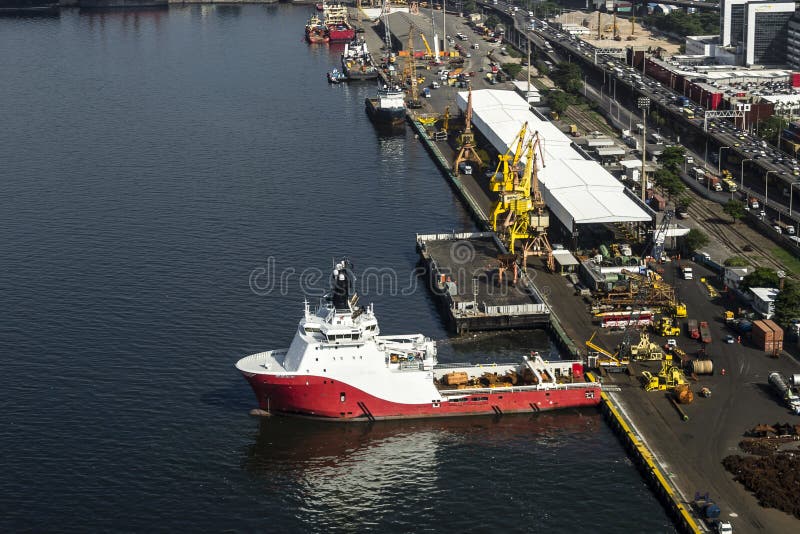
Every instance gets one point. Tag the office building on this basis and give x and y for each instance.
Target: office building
(766, 32)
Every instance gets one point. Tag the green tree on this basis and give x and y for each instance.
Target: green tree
(734, 208)
(559, 101)
(736, 261)
(672, 158)
(470, 6)
(512, 69)
(787, 303)
(542, 68)
(695, 239)
(770, 129)
(760, 277)
(569, 77)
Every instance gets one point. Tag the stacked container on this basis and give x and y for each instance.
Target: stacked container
(767, 336)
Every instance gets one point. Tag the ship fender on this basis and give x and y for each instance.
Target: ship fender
(258, 412)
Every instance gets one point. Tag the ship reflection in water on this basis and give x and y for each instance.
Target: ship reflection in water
(401, 475)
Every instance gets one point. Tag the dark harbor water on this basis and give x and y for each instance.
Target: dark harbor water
(152, 161)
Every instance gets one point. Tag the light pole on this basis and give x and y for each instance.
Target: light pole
(766, 188)
(791, 196)
(741, 185)
(644, 104)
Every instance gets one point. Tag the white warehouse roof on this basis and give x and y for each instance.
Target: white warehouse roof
(577, 191)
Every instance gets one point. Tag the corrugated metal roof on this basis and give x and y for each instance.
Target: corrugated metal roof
(576, 190)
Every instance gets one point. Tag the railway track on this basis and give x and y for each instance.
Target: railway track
(734, 236)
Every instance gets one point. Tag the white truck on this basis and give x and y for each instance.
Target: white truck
(686, 273)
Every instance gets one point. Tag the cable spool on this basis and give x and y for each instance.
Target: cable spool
(703, 367)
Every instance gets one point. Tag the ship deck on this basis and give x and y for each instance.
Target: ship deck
(477, 297)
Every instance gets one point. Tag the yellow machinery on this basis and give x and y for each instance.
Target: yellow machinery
(507, 166)
(603, 358)
(667, 328)
(428, 52)
(521, 200)
(467, 151)
(441, 135)
(669, 377)
(655, 293)
(411, 74)
(646, 349)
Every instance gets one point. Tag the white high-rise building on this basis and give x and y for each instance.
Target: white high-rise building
(757, 29)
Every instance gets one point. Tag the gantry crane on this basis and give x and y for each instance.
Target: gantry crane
(507, 165)
(467, 151)
(526, 214)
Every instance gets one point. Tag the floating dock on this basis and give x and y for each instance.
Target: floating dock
(475, 287)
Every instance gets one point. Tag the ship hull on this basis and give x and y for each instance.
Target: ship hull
(323, 398)
(388, 117)
(341, 34)
(358, 75)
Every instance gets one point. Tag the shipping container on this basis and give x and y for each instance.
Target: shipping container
(767, 336)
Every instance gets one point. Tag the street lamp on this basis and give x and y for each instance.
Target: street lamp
(643, 103)
(741, 185)
(766, 188)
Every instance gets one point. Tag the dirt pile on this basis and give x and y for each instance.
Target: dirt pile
(774, 478)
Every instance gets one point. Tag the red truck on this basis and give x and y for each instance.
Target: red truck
(691, 329)
(705, 333)
(715, 184)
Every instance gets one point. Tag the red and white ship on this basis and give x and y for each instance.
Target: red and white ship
(338, 367)
(339, 29)
(316, 31)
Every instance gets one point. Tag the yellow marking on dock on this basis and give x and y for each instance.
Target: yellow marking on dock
(688, 522)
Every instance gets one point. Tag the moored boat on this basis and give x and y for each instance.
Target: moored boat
(336, 76)
(357, 62)
(339, 28)
(339, 367)
(316, 31)
(388, 108)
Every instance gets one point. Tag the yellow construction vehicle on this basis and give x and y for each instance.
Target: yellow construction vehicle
(428, 52)
(669, 377)
(667, 328)
(678, 309)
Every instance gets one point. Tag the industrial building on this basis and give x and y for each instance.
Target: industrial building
(577, 190)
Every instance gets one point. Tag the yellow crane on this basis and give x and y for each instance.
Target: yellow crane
(507, 165)
(413, 92)
(429, 53)
(467, 151)
(520, 199)
(603, 358)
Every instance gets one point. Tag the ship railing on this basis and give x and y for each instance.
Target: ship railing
(517, 309)
(472, 365)
(547, 386)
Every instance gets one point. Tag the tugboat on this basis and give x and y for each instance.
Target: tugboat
(336, 76)
(388, 108)
(316, 31)
(339, 367)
